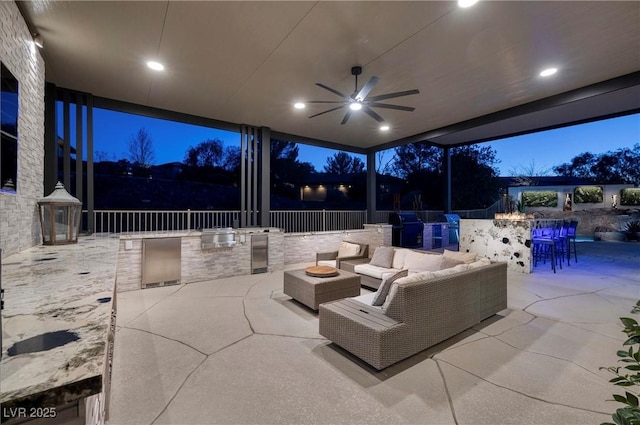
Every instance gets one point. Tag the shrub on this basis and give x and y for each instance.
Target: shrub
(588, 195)
(540, 198)
(630, 196)
(629, 375)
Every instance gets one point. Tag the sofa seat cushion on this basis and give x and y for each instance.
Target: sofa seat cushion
(330, 263)
(374, 271)
(366, 299)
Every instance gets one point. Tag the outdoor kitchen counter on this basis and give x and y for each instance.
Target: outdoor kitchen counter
(61, 299)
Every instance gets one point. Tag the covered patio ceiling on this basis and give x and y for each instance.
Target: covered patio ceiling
(248, 62)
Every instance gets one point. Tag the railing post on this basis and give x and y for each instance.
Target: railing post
(324, 220)
(188, 219)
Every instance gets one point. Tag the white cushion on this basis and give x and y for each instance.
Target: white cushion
(480, 263)
(330, 263)
(451, 270)
(419, 262)
(448, 262)
(374, 271)
(382, 256)
(366, 298)
(467, 257)
(348, 249)
(415, 277)
(398, 258)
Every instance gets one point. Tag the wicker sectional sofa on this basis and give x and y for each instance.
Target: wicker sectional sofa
(416, 314)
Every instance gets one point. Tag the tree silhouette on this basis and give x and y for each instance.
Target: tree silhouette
(208, 153)
(620, 166)
(141, 150)
(343, 163)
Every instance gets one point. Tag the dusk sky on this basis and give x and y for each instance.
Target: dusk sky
(543, 150)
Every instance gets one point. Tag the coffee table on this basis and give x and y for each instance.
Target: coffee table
(313, 291)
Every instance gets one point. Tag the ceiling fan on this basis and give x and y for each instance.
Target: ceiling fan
(360, 100)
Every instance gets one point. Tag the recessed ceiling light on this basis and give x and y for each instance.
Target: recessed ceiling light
(548, 72)
(355, 106)
(299, 105)
(384, 127)
(467, 3)
(156, 66)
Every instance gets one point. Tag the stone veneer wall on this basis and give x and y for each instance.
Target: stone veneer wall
(197, 264)
(19, 223)
(302, 247)
(499, 240)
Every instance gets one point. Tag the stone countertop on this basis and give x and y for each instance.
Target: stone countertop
(58, 298)
(194, 233)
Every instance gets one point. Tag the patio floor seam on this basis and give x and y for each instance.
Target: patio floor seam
(520, 392)
(452, 408)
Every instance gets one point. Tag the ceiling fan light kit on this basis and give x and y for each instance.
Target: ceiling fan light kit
(360, 99)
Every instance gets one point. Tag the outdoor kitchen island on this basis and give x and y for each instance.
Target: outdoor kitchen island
(196, 255)
(57, 331)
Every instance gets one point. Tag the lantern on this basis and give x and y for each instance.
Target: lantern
(59, 217)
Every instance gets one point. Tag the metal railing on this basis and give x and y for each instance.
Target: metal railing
(133, 221)
(317, 220)
(129, 221)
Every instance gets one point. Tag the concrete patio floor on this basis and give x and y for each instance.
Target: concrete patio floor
(239, 351)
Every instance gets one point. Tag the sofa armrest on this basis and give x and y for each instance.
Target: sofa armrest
(364, 331)
(340, 259)
(332, 255)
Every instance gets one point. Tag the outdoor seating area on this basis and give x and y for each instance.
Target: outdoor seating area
(238, 350)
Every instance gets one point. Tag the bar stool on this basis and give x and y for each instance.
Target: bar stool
(571, 236)
(544, 245)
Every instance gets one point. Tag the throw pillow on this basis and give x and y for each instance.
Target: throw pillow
(383, 290)
(467, 257)
(448, 262)
(348, 249)
(382, 257)
(419, 262)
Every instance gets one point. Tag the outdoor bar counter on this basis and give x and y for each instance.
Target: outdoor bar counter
(57, 331)
(507, 240)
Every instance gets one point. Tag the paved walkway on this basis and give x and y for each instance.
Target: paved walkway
(239, 351)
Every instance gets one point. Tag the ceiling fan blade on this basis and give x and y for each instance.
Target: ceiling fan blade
(325, 101)
(388, 106)
(372, 114)
(392, 95)
(330, 110)
(364, 91)
(331, 90)
(346, 117)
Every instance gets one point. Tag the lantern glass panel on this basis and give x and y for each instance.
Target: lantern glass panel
(46, 218)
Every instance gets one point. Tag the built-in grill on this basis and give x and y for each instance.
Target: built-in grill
(407, 229)
(221, 237)
(454, 227)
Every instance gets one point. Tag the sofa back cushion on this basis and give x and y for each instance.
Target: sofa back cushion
(348, 249)
(467, 257)
(449, 262)
(385, 286)
(383, 257)
(398, 258)
(419, 262)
